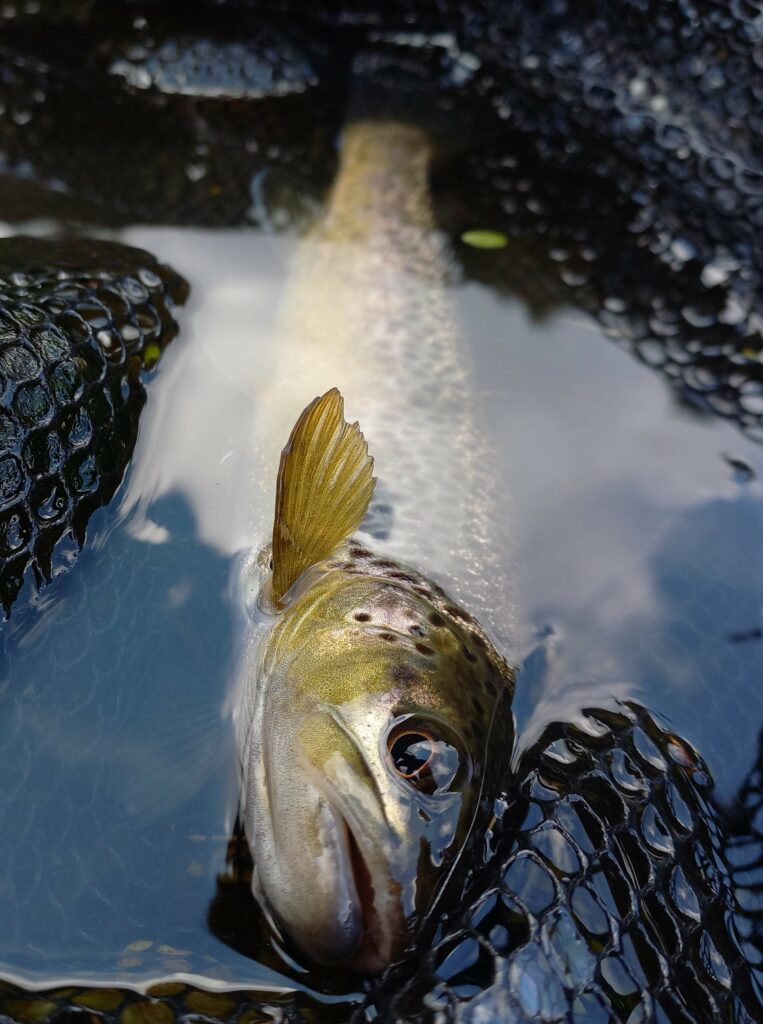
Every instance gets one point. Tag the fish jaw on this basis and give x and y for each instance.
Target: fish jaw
(364, 890)
(323, 907)
(337, 900)
(373, 859)
(320, 909)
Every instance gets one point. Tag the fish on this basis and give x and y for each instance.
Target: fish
(373, 709)
(377, 727)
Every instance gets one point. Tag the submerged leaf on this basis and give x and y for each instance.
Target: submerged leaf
(483, 239)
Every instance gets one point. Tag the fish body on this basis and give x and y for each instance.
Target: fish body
(367, 309)
(373, 711)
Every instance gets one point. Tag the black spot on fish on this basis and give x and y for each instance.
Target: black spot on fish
(383, 563)
(417, 630)
(403, 673)
(425, 650)
(406, 577)
(388, 636)
(457, 613)
(362, 617)
(469, 654)
(436, 619)
(359, 552)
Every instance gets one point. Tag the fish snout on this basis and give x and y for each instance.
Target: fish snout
(303, 866)
(365, 846)
(325, 919)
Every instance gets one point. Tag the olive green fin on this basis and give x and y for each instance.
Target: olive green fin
(325, 485)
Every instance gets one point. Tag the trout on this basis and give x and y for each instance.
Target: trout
(373, 708)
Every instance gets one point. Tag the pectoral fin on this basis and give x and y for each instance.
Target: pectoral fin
(325, 485)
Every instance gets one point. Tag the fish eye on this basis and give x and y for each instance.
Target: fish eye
(426, 762)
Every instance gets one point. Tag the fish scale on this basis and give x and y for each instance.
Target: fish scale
(400, 363)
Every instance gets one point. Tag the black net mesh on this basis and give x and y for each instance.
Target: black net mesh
(75, 343)
(744, 852)
(624, 146)
(220, 122)
(608, 893)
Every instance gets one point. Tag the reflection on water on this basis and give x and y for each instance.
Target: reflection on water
(632, 551)
(197, 432)
(635, 540)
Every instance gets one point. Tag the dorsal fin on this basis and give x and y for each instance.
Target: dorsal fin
(325, 485)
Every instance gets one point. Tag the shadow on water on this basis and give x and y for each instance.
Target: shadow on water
(687, 644)
(118, 774)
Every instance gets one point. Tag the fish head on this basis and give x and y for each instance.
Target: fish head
(387, 727)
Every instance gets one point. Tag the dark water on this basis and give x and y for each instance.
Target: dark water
(633, 545)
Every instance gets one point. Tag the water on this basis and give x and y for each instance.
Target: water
(628, 546)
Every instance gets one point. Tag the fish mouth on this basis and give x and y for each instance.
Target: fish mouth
(359, 921)
(361, 940)
(362, 884)
(353, 923)
(369, 956)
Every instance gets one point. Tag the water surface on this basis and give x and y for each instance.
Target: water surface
(629, 543)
